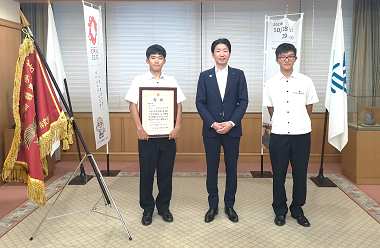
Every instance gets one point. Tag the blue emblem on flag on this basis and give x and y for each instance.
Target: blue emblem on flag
(339, 81)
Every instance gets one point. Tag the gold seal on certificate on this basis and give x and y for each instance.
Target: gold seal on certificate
(158, 110)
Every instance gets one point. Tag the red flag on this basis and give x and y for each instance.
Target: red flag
(39, 121)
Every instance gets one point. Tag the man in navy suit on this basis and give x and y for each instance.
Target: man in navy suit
(222, 99)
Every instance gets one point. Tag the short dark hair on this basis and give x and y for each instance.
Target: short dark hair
(155, 49)
(286, 47)
(221, 41)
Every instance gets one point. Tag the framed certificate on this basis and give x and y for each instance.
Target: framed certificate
(158, 110)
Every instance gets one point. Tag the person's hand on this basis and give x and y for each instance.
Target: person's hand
(217, 126)
(174, 134)
(142, 134)
(226, 127)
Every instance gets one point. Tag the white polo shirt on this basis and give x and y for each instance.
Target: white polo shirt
(148, 80)
(289, 98)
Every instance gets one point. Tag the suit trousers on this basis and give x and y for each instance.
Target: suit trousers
(231, 154)
(156, 154)
(296, 149)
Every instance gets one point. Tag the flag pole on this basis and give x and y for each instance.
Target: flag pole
(94, 166)
(262, 173)
(320, 180)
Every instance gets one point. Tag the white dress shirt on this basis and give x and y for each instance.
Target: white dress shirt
(221, 77)
(148, 80)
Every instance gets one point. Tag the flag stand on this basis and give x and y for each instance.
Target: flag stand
(108, 172)
(262, 173)
(82, 178)
(103, 186)
(320, 180)
(94, 208)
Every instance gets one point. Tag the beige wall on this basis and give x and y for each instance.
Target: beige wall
(123, 144)
(9, 10)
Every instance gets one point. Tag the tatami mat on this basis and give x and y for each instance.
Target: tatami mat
(339, 217)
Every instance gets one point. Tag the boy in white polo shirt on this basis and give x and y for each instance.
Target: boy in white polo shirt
(155, 153)
(289, 97)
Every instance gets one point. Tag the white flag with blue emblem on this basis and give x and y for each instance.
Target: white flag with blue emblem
(336, 92)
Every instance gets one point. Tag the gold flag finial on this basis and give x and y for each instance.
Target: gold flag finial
(23, 19)
(48, 2)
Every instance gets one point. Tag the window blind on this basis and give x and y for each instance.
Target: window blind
(243, 23)
(133, 26)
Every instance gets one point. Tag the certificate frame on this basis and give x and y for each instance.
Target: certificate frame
(158, 110)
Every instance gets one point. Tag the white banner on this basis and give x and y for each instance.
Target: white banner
(336, 91)
(53, 53)
(54, 60)
(97, 73)
(278, 31)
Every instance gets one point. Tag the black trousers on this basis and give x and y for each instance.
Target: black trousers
(296, 149)
(231, 154)
(156, 153)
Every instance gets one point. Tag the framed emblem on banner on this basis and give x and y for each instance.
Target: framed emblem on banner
(158, 110)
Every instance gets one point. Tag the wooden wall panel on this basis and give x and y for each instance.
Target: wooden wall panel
(130, 135)
(190, 138)
(360, 157)
(123, 145)
(116, 123)
(368, 162)
(349, 156)
(317, 123)
(10, 40)
(251, 140)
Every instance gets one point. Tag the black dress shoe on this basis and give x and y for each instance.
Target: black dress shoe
(146, 219)
(166, 216)
(280, 220)
(302, 220)
(210, 215)
(232, 215)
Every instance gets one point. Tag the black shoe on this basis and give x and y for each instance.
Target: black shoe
(166, 216)
(302, 220)
(210, 215)
(146, 219)
(232, 215)
(280, 220)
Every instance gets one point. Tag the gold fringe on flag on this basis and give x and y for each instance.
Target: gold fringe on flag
(61, 129)
(19, 173)
(36, 191)
(26, 48)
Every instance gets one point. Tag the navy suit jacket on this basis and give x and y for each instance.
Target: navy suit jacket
(209, 102)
